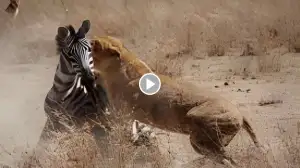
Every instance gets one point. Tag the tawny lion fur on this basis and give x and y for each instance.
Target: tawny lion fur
(210, 120)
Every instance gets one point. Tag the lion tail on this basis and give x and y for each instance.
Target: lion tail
(248, 128)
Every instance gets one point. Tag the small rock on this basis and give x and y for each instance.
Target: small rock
(239, 90)
(248, 90)
(226, 83)
(253, 77)
(216, 86)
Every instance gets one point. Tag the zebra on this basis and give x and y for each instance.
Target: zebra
(74, 95)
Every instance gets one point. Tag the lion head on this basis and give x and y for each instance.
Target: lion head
(110, 55)
(106, 52)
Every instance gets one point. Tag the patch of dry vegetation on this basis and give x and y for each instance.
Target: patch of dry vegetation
(192, 28)
(289, 149)
(264, 102)
(292, 154)
(269, 100)
(167, 66)
(79, 149)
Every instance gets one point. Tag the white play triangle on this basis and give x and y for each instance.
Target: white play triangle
(149, 84)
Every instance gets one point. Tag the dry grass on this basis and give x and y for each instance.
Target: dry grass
(79, 149)
(292, 154)
(166, 28)
(215, 50)
(166, 66)
(289, 148)
(269, 101)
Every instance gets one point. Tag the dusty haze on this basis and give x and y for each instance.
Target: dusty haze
(201, 41)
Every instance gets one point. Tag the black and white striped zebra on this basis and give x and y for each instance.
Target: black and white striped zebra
(74, 94)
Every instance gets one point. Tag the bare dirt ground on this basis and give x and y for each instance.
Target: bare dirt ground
(200, 41)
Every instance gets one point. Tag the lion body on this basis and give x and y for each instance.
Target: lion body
(210, 120)
(178, 108)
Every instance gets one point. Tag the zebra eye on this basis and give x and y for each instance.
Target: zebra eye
(89, 49)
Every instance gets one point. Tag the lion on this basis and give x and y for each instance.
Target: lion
(210, 120)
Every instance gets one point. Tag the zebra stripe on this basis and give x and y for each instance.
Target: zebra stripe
(73, 89)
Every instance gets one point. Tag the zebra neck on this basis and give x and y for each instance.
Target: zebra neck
(65, 79)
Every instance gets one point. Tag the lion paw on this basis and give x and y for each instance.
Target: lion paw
(133, 83)
(142, 134)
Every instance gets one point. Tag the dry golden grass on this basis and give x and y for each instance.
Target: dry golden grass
(79, 149)
(264, 102)
(199, 29)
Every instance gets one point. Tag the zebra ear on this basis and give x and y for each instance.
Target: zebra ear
(62, 32)
(85, 27)
(71, 29)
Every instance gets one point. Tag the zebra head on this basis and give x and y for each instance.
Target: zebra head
(76, 48)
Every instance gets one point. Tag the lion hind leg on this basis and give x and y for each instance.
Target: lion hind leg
(215, 130)
(210, 138)
(215, 154)
(248, 128)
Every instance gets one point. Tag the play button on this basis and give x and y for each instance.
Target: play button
(149, 83)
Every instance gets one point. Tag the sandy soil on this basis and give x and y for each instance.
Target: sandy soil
(153, 29)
